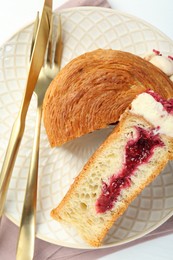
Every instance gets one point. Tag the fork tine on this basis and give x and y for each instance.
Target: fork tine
(34, 33)
(50, 43)
(58, 48)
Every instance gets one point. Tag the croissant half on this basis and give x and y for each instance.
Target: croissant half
(94, 89)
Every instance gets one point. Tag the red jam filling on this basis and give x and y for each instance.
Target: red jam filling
(170, 57)
(137, 152)
(157, 52)
(167, 104)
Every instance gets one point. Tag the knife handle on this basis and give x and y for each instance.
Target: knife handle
(26, 239)
(10, 157)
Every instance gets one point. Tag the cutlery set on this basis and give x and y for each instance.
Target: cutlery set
(45, 59)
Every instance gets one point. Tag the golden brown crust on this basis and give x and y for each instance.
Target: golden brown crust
(94, 89)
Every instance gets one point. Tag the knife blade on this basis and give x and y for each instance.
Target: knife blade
(36, 63)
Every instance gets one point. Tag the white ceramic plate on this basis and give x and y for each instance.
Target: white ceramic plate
(84, 29)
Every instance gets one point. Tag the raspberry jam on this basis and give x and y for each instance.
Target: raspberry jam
(167, 104)
(137, 152)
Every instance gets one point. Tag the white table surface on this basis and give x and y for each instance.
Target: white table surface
(15, 14)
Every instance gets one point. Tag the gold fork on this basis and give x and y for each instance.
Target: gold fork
(26, 240)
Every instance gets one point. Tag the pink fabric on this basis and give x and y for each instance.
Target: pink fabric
(48, 251)
(74, 3)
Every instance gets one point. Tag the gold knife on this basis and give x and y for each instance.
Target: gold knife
(36, 63)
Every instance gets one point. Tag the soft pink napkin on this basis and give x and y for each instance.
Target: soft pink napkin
(48, 251)
(74, 3)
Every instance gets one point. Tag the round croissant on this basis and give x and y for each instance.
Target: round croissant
(94, 89)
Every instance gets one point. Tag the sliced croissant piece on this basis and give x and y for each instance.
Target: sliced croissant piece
(94, 89)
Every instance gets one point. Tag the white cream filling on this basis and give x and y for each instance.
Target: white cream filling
(145, 105)
(165, 64)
